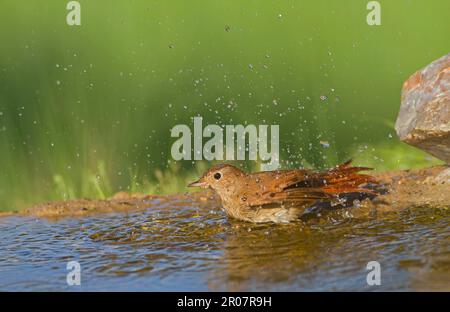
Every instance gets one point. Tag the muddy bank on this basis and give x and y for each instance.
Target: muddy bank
(121, 202)
(429, 187)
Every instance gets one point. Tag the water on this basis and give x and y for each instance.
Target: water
(189, 246)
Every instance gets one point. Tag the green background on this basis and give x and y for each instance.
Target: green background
(87, 110)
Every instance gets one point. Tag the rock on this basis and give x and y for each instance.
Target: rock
(424, 117)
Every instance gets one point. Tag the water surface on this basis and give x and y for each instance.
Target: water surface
(190, 246)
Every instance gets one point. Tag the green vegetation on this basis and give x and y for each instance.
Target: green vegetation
(87, 111)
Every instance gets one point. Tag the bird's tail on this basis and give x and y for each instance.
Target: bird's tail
(346, 179)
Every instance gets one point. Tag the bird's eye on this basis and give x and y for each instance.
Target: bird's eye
(217, 175)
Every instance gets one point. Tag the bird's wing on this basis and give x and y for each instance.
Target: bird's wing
(295, 188)
(274, 188)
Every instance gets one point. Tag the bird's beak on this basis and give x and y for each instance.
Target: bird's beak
(199, 183)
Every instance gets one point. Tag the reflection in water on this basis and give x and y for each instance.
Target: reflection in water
(188, 245)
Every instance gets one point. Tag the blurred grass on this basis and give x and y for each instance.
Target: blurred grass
(87, 111)
(398, 156)
(174, 180)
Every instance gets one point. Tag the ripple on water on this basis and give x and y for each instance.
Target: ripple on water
(183, 245)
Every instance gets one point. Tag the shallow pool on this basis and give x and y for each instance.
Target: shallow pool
(189, 246)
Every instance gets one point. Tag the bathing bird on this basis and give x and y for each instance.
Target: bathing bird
(283, 196)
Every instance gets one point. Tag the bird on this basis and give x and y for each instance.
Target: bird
(284, 196)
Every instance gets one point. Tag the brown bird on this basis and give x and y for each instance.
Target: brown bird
(286, 195)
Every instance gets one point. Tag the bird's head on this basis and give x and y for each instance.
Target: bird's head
(219, 177)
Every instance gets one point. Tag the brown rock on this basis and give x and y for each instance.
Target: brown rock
(424, 117)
